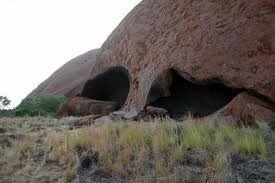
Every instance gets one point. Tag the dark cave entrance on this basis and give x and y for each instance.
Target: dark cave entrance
(112, 85)
(186, 97)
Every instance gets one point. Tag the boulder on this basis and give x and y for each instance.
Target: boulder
(156, 111)
(85, 121)
(81, 106)
(102, 120)
(245, 110)
(131, 114)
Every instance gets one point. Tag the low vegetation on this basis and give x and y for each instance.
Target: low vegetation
(42, 105)
(44, 149)
(159, 148)
(23, 156)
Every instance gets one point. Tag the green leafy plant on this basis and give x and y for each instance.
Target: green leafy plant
(42, 105)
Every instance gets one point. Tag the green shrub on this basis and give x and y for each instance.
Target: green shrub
(42, 105)
(6, 113)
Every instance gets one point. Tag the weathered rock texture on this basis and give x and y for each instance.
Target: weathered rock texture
(205, 42)
(246, 110)
(69, 79)
(79, 106)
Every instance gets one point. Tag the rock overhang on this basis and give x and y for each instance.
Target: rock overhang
(205, 42)
(222, 41)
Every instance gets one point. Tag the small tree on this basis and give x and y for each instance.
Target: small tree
(4, 102)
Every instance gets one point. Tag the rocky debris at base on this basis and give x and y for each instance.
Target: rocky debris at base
(156, 111)
(85, 121)
(132, 113)
(102, 120)
(243, 110)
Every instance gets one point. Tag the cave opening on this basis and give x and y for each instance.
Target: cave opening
(186, 97)
(112, 85)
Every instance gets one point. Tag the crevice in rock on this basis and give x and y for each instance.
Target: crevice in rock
(112, 85)
(186, 97)
(269, 104)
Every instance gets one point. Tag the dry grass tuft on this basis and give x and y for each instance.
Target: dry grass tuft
(22, 152)
(158, 147)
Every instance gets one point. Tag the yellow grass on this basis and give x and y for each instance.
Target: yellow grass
(160, 143)
(153, 150)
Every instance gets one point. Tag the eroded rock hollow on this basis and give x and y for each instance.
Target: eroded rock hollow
(221, 53)
(186, 97)
(112, 85)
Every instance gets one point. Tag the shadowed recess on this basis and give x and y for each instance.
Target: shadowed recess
(112, 85)
(186, 97)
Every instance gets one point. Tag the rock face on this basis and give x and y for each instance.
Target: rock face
(69, 79)
(225, 45)
(246, 109)
(204, 41)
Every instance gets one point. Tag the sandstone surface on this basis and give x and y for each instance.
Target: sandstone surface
(205, 57)
(80, 106)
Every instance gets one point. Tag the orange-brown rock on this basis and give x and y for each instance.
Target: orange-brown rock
(69, 79)
(225, 45)
(85, 121)
(80, 106)
(205, 41)
(245, 110)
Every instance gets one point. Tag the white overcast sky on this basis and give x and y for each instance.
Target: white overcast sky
(38, 36)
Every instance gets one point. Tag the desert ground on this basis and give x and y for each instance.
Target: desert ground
(46, 149)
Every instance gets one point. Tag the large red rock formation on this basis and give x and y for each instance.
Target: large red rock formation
(205, 42)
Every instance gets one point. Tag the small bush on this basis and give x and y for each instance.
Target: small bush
(42, 105)
(6, 113)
